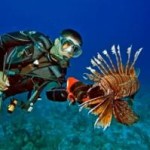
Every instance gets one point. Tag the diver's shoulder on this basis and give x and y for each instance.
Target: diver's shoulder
(33, 33)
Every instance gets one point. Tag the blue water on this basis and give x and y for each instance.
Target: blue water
(102, 23)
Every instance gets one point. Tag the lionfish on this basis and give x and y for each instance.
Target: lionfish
(116, 82)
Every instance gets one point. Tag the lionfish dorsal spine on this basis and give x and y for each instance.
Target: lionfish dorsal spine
(100, 58)
(88, 76)
(136, 55)
(94, 76)
(120, 69)
(107, 55)
(114, 51)
(91, 69)
(117, 54)
(128, 60)
(106, 69)
(100, 67)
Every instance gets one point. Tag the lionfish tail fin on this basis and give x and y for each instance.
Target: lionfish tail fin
(105, 117)
(123, 113)
(102, 107)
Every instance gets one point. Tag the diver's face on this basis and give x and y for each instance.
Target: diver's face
(69, 47)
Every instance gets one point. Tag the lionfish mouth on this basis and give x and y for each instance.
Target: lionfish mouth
(119, 78)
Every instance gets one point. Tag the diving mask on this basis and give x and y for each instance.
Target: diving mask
(70, 46)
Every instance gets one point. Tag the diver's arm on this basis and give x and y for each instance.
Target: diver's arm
(19, 38)
(13, 39)
(75, 91)
(22, 45)
(57, 94)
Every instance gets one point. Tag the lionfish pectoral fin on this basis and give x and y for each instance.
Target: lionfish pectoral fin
(90, 103)
(123, 112)
(105, 117)
(97, 109)
(102, 107)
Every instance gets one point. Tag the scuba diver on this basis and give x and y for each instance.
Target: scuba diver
(29, 61)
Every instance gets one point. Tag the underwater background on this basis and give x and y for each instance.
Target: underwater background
(102, 23)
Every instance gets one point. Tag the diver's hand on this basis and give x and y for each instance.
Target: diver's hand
(4, 82)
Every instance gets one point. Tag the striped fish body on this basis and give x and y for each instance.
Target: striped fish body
(121, 85)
